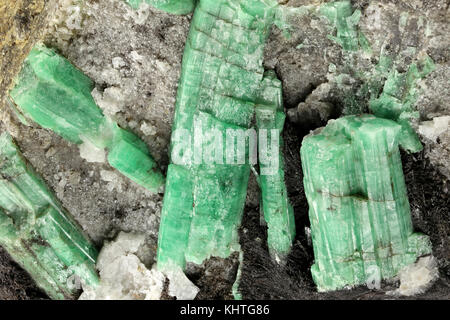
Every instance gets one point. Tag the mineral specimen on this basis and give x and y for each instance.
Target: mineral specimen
(359, 211)
(432, 130)
(56, 95)
(122, 275)
(37, 232)
(436, 133)
(342, 16)
(416, 278)
(398, 98)
(278, 213)
(222, 83)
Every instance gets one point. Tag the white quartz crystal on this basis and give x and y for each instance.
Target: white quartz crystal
(91, 153)
(122, 275)
(111, 101)
(113, 179)
(417, 277)
(433, 129)
(180, 286)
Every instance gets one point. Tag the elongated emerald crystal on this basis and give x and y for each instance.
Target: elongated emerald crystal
(37, 232)
(221, 85)
(56, 95)
(359, 211)
(277, 210)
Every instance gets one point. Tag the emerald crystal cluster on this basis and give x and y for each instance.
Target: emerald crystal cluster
(359, 211)
(397, 100)
(342, 16)
(358, 206)
(55, 94)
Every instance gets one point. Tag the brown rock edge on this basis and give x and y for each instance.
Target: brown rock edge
(22, 23)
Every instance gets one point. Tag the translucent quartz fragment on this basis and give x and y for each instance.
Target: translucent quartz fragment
(398, 99)
(418, 277)
(359, 211)
(37, 232)
(222, 82)
(171, 6)
(56, 95)
(342, 16)
(122, 275)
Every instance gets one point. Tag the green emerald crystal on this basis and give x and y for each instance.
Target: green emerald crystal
(37, 232)
(359, 210)
(397, 101)
(171, 6)
(57, 96)
(277, 210)
(345, 20)
(222, 83)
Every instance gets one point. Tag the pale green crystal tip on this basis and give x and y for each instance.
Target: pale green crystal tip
(341, 15)
(38, 233)
(170, 6)
(56, 95)
(397, 101)
(359, 210)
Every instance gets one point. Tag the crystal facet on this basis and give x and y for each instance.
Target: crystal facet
(56, 95)
(359, 211)
(37, 232)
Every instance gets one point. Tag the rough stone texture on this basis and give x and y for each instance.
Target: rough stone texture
(15, 283)
(21, 25)
(134, 58)
(436, 133)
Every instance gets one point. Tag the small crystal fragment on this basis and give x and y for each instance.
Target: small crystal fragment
(122, 275)
(434, 128)
(170, 6)
(359, 210)
(417, 277)
(38, 233)
(180, 286)
(342, 16)
(56, 95)
(397, 101)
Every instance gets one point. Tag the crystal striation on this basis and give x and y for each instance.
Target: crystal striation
(222, 83)
(57, 96)
(37, 232)
(359, 210)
